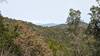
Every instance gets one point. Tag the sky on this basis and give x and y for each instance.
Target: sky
(45, 11)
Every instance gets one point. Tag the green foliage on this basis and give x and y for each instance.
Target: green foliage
(19, 38)
(63, 42)
(94, 27)
(74, 17)
(7, 36)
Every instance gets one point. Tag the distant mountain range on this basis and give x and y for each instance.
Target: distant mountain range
(49, 25)
(62, 26)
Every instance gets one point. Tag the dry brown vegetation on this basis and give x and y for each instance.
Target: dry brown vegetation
(31, 43)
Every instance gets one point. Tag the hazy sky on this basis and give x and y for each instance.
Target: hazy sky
(45, 11)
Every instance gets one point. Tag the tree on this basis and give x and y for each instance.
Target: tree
(94, 26)
(77, 35)
(74, 16)
(73, 19)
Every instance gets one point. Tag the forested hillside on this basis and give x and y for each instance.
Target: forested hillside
(19, 38)
(75, 38)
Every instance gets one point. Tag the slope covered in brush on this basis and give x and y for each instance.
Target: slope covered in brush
(19, 39)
